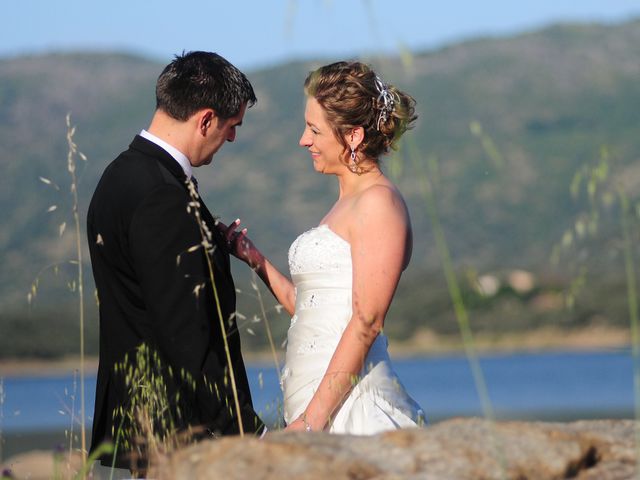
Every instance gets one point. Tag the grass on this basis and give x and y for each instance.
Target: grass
(148, 425)
(630, 270)
(208, 247)
(71, 167)
(2, 397)
(76, 285)
(461, 313)
(267, 324)
(604, 193)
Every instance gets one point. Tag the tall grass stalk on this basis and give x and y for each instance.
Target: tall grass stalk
(427, 190)
(267, 326)
(205, 233)
(85, 471)
(73, 411)
(462, 316)
(1, 415)
(633, 312)
(116, 445)
(602, 191)
(71, 167)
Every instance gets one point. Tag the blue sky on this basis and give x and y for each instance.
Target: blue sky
(257, 33)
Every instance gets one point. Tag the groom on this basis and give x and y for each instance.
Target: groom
(154, 289)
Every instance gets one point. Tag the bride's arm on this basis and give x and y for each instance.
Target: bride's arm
(379, 236)
(242, 247)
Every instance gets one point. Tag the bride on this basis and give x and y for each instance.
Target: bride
(344, 272)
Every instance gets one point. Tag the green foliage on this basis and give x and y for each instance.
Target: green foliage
(45, 333)
(148, 423)
(510, 121)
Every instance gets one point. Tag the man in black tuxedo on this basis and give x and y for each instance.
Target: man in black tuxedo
(154, 289)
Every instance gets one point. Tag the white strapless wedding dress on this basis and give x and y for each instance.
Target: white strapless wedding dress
(320, 265)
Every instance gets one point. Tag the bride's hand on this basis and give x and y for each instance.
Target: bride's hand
(297, 425)
(239, 245)
(301, 424)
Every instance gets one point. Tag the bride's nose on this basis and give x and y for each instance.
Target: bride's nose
(305, 139)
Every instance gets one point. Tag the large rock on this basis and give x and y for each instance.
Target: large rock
(453, 450)
(42, 465)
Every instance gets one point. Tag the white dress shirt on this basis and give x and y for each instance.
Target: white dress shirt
(177, 155)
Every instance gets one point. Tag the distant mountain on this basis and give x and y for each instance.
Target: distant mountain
(504, 126)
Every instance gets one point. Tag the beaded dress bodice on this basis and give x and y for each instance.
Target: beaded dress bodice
(320, 266)
(320, 250)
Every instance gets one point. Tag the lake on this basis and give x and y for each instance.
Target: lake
(542, 386)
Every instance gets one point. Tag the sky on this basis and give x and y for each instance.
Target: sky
(254, 34)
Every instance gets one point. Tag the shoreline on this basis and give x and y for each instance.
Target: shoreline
(424, 343)
(544, 339)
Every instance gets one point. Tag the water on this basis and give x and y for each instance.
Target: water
(559, 386)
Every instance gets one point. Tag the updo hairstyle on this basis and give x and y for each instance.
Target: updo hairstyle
(352, 95)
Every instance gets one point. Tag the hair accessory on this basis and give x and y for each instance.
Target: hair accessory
(386, 101)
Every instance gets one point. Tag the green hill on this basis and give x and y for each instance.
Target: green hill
(504, 126)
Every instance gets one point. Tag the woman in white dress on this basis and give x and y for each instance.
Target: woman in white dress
(337, 375)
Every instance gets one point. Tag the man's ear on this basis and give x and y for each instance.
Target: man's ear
(206, 120)
(355, 137)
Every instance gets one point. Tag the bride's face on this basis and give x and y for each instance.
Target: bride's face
(326, 151)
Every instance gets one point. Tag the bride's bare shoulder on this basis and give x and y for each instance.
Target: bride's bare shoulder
(382, 199)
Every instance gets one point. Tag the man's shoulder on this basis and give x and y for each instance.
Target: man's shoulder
(132, 163)
(133, 168)
(133, 159)
(147, 163)
(129, 178)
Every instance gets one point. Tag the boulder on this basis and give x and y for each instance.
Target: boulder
(42, 465)
(457, 449)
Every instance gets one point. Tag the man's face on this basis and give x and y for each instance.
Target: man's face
(222, 130)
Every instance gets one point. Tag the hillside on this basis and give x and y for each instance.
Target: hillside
(542, 104)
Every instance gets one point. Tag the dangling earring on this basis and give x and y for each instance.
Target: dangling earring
(353, 164)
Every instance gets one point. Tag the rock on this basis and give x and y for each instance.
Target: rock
(457, 449)
(43, 465)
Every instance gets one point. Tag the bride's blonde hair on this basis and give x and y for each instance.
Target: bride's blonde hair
(352, 95)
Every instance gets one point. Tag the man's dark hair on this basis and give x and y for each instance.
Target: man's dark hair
(197, 80)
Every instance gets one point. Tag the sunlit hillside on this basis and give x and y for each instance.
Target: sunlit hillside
(505, 124)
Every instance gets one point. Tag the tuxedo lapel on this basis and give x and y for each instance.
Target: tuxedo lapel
(174, 173)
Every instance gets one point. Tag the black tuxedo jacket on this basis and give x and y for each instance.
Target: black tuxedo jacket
(137, 226)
